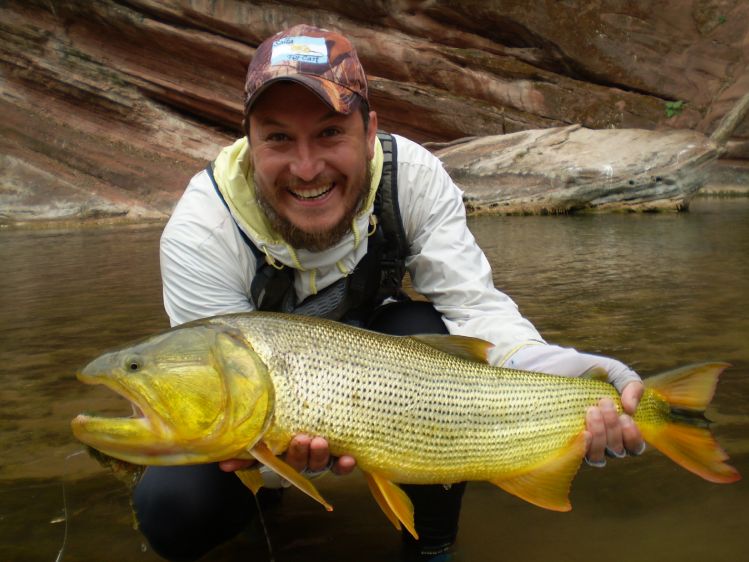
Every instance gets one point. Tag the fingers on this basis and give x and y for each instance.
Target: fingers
(344, 465)
(612, 427)
(235, 464)
(596, 429)
(633, 441)
(611, 434)
(298, 452)
(319, 455)
(312, 454)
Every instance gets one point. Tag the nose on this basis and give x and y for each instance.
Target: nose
(307, 164)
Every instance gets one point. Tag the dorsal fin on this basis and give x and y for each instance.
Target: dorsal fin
(473, 349)
(596, 373)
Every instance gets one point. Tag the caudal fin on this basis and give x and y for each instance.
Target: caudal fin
(684, 437)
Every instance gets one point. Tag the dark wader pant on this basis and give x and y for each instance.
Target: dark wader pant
(185, 511)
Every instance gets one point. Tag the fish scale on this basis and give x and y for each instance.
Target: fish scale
(420, 415)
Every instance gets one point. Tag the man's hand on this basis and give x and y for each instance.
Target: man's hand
(304, 452)
(607, 431)
(312, 454)
(232, 465)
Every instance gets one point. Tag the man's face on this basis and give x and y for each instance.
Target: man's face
(311, 164)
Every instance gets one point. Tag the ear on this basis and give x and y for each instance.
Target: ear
(371, 134)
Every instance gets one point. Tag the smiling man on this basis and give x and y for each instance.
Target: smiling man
(315, 212)
(311, 165)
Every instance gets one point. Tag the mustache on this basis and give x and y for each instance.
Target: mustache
(293, 182)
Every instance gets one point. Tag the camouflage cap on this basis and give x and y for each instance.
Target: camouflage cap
(323, 61)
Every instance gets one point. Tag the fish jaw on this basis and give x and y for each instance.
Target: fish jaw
(128, 439)
(198, 396)
(133, 440)
(143, 438)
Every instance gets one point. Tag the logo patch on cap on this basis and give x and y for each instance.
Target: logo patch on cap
(299, 49)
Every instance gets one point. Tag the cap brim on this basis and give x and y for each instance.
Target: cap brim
(338, 98)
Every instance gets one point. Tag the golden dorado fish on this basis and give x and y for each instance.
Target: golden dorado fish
(412, 410)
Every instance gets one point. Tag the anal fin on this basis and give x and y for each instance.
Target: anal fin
(548, 485)
(263, 454)
(382, 502)
(393, 501)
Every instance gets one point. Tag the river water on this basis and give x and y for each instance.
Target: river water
(655, 291)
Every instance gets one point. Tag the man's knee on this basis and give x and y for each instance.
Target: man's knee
(186, 511)
(436, 514)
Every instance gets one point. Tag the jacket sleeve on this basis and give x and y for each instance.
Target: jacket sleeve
(445, 262)
(206, 268)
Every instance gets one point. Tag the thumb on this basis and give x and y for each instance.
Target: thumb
(631, 396)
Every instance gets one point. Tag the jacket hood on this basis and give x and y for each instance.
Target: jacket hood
(232, 171)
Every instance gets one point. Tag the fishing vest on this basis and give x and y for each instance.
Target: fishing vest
(377, 276)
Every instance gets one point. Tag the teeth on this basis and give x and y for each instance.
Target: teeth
(312, 193)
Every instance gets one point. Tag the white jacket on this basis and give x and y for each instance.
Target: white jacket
(207, 268)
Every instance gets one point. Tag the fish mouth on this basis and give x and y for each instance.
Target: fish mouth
(137, 415)
(99, 431)
(118, 437)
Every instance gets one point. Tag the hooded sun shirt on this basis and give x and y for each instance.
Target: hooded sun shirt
(207, 268)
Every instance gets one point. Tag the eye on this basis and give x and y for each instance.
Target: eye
(133, 364)
(330, 132)
(277, 137)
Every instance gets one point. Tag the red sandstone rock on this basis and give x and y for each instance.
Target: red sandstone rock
(109, 107)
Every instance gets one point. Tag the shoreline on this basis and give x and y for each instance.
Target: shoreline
(724, 190)
(79, 223)
(713, 191)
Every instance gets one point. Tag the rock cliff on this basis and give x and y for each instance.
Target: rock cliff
(109, 106)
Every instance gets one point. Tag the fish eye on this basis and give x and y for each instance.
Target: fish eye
(133, 364)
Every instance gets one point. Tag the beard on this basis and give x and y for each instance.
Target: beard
(319, 240)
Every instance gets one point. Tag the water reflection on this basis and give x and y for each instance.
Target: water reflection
(654, 290)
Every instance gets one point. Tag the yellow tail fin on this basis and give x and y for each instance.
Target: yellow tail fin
(684, 437)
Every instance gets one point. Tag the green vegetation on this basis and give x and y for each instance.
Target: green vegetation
(674, 107)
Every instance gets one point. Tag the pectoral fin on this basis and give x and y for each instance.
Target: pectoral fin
(262, 453)
(393, 501)
(548, 485)
(251, 478)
